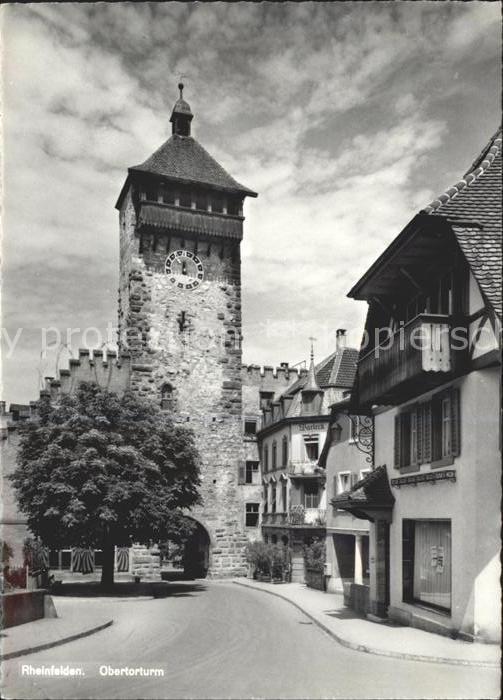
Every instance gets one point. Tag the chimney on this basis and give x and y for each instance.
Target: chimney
(284, 365)
(340, 338)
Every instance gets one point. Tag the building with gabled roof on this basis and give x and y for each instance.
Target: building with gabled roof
(293, 431)
(429, 377)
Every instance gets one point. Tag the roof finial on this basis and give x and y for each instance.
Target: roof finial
(312, 347)
(180, 87)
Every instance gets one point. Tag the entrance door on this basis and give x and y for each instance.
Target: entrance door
(196, 558)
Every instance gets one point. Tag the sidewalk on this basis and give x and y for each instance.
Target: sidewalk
(328, 611)
(76, 618)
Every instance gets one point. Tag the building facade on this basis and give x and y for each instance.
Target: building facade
(293, 433)
(431, 376)
(347, 458)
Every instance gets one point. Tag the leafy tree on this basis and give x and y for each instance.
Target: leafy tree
(98, 470)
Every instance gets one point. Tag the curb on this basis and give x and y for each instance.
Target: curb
(371, 650)
(57, 642)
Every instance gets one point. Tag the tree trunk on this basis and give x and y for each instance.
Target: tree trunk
(107, 570)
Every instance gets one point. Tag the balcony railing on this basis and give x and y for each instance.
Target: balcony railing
(416, 356)
(297, 515)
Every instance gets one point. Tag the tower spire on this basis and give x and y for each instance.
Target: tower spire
(181, 116)
(311, 384)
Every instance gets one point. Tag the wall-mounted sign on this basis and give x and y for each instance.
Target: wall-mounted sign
(311, 427)
(430, 477)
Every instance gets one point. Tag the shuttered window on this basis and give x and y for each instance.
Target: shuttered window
(428, 433)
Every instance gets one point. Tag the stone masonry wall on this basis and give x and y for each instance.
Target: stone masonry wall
(191, 341)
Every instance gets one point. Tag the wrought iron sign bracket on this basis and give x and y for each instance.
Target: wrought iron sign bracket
(363, 432)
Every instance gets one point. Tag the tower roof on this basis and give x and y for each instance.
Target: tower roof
(181, 106)
(183, 159)
(311, 385)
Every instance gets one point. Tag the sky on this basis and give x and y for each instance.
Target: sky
(346, 117)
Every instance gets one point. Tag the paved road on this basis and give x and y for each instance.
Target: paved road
(218, 640)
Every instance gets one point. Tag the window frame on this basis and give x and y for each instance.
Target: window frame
(255, 469)
(253, 513)
(246, 432)
(346, 472)
(316, 495)
(310, 440)
(408, 565)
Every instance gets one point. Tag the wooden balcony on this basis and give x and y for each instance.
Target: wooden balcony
(415, 358)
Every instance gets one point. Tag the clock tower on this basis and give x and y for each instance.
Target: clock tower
(181, 225)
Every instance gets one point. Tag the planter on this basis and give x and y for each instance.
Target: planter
(315, 579)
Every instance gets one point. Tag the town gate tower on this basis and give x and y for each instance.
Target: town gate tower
(181, 225)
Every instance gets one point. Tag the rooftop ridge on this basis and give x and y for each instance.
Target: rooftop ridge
(478, 168)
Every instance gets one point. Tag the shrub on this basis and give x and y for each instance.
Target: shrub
(314, 555)
(271, 560)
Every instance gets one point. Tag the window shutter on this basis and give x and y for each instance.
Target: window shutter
(455, 424)
(420, 430)
(241, 472)
(334, 486)
(398, 441)
(426, 429)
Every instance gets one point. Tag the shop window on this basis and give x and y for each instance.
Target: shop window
(251, 472)
(274, 455)
(284, 451)
(274, 539)
(311, 495)
(252, 514)
(250, 428)
(311, 444)
(426, 563)
(429, 433)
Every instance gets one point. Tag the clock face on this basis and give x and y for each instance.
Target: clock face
(184, 269)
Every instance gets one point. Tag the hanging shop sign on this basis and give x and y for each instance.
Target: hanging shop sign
(430, 477)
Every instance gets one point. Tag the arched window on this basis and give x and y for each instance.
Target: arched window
(284, 450)
(167, 397)
(274, 455)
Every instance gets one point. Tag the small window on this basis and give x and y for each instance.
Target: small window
(167, 398)
(250, 428)
(343, 482)
(185, 199)
(273, 498)
(364, 472)
(234, 207)
(201, 200)
(284, 451)
(217, 205)
(252, 514)
(284, 497)
(354, 422)
(311, 495)
(274, 455)
(251, 472)
(266, 457)
(265, 398)
(311, 443)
